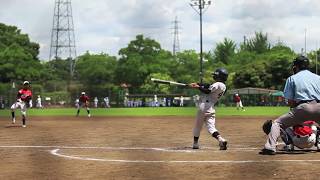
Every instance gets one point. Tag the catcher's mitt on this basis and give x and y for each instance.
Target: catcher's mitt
(266, 127)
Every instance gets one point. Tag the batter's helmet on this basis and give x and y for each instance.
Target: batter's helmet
(266, 127)
(301, 62)
(220, 74)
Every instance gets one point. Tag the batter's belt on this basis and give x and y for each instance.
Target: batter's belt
(307, 101)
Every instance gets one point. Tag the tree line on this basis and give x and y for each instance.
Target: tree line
(252, 63)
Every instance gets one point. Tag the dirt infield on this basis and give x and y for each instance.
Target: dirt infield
(142, 148)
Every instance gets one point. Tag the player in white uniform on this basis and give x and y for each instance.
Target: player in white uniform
(95, 102)
(39, 104)
(106, 102)
(206, 114)
(181, 101)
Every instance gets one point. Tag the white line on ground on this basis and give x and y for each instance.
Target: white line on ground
(167, 149)
(56, 153)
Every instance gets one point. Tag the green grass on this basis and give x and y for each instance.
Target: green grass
(161, 111)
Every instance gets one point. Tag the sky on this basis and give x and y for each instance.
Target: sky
(109, 25)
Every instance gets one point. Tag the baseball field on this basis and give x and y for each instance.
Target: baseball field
(144, 143)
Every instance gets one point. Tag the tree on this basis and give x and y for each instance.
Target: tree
(224, 51)
(57, 69)
(279, 63)
(186, 67)
(18, 56)
(139, 59)
(95, 69)
(15, 64)
(10, 35)
(258, 44)
(150, 87)
(251, 75)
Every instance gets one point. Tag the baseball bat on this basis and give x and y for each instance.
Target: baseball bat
(168, 82)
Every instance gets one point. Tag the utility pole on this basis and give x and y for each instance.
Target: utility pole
(176, 43)
(317, 57)
(63, 44)
(201, 5)
(305, 42)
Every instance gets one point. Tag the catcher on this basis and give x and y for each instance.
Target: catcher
(23, 97)
(303, 136)
(83, 102)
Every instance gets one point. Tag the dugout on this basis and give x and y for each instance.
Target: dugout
(255, 97)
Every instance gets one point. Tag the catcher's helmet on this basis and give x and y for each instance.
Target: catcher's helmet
(301, 62)
(266, 127)
(220, 74)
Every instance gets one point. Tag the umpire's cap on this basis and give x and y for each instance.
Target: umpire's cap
(266, 127)
(301, 62)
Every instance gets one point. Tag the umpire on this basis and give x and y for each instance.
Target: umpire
(302, 90)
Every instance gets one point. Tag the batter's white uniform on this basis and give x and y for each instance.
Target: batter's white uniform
(206, 112)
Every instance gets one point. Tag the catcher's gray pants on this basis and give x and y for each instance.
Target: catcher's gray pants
(298, 115)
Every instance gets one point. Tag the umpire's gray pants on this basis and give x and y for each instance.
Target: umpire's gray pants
(298, 115)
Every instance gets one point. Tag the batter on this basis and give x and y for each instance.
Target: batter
(210, 95)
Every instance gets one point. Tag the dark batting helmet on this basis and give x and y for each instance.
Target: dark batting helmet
(300, 62)
(220, 74)
(266, 127)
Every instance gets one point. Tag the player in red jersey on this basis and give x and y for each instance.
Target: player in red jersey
(84, 102)
(23, 97)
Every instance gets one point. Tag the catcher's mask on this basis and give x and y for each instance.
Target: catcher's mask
(220, 74)
(266, 127)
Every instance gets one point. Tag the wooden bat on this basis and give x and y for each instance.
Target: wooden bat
(168, 82)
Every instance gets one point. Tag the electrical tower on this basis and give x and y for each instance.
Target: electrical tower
(176, 43)
(63, 44)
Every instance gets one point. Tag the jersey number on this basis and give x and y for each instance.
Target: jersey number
(220, 94)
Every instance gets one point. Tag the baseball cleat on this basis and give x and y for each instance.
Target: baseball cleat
(13, 120)
(24, 126)
(89, 115)
(223, 145)
(288, 148)
(267, 152)
(195, 146)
